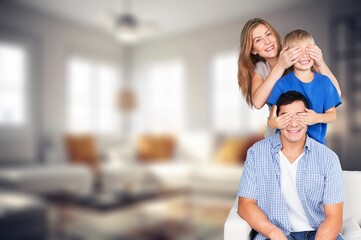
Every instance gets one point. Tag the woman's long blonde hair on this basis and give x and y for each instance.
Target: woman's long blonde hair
(247, 60)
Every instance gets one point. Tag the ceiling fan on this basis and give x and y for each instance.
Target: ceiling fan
(127, 27)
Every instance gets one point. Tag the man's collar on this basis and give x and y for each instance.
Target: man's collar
(308, 143)
(277, 144)
(276, 141)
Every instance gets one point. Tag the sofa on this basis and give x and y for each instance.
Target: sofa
(22, 217)
(207, 178)
(235, 228)
(48, 179)
(197, 161)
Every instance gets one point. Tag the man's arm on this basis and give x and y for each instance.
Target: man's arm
(249, 211)
(332, 225)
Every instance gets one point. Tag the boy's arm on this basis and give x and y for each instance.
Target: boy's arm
(273, 121)
(310, 117)
(249, 211)
(332, 224)
(278, 122)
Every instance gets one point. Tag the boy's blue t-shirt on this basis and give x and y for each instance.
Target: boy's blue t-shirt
(320, 93)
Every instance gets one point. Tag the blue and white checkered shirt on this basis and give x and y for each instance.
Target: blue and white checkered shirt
(319, 181)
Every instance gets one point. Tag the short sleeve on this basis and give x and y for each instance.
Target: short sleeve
(334, 190)
(247, 186)
(275, 93)
(262, 69)
(332, 97)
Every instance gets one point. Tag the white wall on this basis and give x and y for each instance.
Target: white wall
(197, 47)
(195, 50)
(51, 41)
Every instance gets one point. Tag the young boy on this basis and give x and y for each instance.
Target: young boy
(317, 88)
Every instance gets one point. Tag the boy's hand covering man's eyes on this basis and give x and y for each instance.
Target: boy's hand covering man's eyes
(279, 122)
(309, 117)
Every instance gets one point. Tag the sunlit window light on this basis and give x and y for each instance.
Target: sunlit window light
(230, 113)
(13, 77)
(163, 101)
(92, 88)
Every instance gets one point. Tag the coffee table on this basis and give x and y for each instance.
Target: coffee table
(107, 215)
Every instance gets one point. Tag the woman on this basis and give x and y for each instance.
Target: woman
(261, 63)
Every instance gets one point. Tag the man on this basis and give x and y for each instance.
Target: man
(291, 186)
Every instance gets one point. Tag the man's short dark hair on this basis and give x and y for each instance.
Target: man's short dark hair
(290, 97)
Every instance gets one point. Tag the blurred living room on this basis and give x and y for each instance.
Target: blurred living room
(122, 119)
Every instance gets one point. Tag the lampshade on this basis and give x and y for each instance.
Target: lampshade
(126, 100)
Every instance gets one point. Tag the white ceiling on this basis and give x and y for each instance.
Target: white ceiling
(172, 16)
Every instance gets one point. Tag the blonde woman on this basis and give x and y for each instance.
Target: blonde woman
(262, 62)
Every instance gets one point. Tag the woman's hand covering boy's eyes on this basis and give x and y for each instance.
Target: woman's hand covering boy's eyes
(289, 56)
(316, 54)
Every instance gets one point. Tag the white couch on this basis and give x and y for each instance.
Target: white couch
(46, 179)
(235, 228)
(206, 178)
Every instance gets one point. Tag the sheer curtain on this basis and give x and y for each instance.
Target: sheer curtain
(13, 79)
(230, 113)
(162, 98)
(92, 88)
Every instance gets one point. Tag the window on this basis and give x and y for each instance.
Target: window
(230, 112)
(163, 98)
(13, 75)
(92, 88)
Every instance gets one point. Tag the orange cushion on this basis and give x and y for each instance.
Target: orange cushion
(152, 148)
(233, 151)
(82, 149)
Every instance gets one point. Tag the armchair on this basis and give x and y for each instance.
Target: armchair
(235, 228)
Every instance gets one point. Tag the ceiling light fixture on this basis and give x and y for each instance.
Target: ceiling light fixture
(126, 26)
